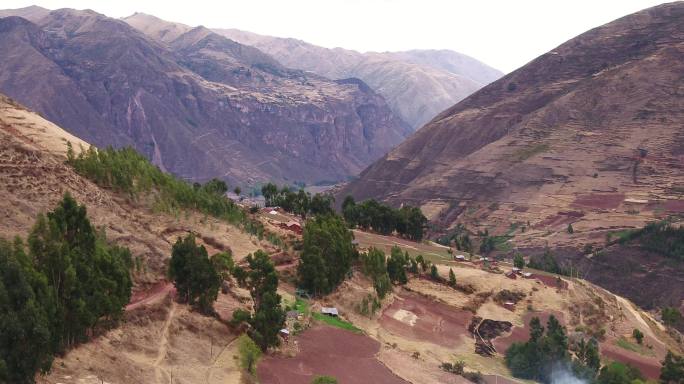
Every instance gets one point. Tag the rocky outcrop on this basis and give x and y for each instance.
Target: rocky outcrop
(199, 105)
(417, 84)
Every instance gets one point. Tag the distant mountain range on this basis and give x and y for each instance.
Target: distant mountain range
(417, 84)
(202, 105)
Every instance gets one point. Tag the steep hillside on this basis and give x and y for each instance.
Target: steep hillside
(417, 84)
(594, 122)
(406, 339)
(34, 177)
(242, 116)
(590, 134)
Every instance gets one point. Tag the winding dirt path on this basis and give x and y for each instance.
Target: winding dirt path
(220, 361)
(163, 345)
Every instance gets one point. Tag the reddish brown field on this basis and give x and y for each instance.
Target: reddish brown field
(551, 281)
(599, 200)
(347, 356)
(434, 322)
(649, 366)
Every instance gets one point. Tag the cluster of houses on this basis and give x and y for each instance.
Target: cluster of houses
(294, 316)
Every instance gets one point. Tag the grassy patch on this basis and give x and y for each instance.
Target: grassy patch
(634, 347)
(302, 306)
(336, 322)
(525, 153)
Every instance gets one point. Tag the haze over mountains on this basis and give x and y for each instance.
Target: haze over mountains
(417, 84)
(201, 105)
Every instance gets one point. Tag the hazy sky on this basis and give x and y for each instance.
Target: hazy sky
(504, 34)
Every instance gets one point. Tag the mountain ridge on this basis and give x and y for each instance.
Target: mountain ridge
(264, 122)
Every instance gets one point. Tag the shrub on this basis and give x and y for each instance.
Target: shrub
(638, 336)
(249, 354)
(324, 380)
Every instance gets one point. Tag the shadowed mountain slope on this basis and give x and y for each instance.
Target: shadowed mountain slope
(201, 106)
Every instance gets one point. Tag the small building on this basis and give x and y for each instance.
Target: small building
(511, 275)
(509, 305)
(285, 334)
(292, 226)
(355, 243)
(527, 275)
(292, 315)
(516, 270)
(330, 311)
(459, 258)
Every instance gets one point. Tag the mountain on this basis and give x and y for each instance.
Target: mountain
(199, 105)
(417, 84)
(590, 134)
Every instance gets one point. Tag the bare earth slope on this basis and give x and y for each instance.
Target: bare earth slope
(417, 84)
(242, 116)
(600, 115)
(590, 134)
(156, 333)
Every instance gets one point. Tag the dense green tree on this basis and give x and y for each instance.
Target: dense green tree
(302, 203)
(452, 278)
(396, 266)
(375, 267)
(322, 205)
(89, 279)
(518, 260)
(487, 242)
(411, 223)
(545, 349)
(638, 336)
(349, 211)
(70, 282)
(223, 264)
(261, 280)
(671, 316)
(25, 335)
(672, 371)
(588, 355)
(327, 254)
(216, 187)
(618, 373)
(270, 193)
(434, 274)
(194, 274)
(546, 262)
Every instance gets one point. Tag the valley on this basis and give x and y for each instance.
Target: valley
(190, 204)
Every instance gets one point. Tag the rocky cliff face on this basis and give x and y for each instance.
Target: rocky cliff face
(417, 84)
(200, 106)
